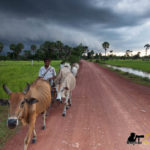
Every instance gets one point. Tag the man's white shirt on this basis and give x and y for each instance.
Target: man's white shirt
(49, 74)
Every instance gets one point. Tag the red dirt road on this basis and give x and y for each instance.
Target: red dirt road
(106, 108)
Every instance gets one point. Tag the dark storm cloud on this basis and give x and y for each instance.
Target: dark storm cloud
(71, 12)
(72, 21)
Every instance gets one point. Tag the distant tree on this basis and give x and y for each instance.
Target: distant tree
(60, 46)
(1, 46)
(39, 54)
(92, 53)
(105, 45)
(147, 46)
(127, 54)
(139, 53)
(136, 56)
(12, 47)
(33, 48)
(111, 52)
(97, 56)
(47, 48)
(16, 49)
(67, 50)
(27, 54)
(19, 48)
(131, 53)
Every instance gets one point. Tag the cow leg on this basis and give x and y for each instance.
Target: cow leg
(66, 104)
(69, 101)
(30, 130)
(59, 92)
(44, 121)
(59, 96)
(34, 136)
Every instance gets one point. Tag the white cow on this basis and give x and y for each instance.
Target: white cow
(75, 68)
(65, 83)
(76, 65)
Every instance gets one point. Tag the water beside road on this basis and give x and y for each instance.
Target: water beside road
(130, 70)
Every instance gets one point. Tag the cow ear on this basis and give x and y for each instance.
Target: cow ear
(4, 102)
(26, 88)
(33, 101)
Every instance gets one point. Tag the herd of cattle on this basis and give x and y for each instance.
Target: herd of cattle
(36, 99)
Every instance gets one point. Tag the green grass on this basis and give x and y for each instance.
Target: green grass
(15, 74)
(5, 133)
(135, 64)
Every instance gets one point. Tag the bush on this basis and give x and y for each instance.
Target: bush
(74, 59)
(97, 61)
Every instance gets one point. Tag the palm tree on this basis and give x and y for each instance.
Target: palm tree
(92, 53)
(16, 49)
(33, 48)
(111, 52)
(1, 47)
(127, 53)
(147, 46)
(13, 47)
(19, 48)
(105, 45)
(138, 53)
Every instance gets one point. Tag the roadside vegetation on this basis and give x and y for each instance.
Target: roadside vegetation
(54, 50)
(127, 60)
(132, 77)
(138, 64)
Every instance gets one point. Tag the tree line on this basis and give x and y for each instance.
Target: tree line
(54, 50)
(58, 50)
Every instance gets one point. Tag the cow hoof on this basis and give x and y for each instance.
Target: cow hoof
(58, 100)
(43, 128)
(67, 107)
(33, 140)
(63, 114)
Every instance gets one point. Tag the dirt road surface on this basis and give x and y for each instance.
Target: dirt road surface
(106, 109)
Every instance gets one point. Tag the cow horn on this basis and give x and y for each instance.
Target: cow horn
(6, 89)
(27, 88)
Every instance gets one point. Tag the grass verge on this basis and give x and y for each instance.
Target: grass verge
(132, 77)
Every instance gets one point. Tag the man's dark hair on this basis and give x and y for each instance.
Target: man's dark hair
(62, 62)
(46, 58)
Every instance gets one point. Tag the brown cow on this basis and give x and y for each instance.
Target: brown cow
(26, 106)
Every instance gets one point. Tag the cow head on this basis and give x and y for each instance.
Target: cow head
(17, 103)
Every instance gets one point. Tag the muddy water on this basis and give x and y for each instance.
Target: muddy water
(133, 71)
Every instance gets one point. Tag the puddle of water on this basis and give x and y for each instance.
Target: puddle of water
(133, 71)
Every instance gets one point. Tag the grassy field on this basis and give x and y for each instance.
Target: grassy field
(135, 64)
(15, 74)
(132, 77)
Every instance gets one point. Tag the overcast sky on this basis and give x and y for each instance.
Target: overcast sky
(125, 24)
